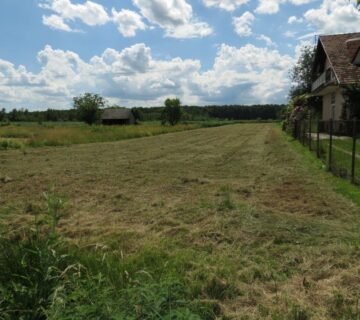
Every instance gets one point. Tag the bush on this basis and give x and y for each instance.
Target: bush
(297, 109)
(10, 144)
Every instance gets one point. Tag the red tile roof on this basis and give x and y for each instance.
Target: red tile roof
(353, 46)
(337, 51)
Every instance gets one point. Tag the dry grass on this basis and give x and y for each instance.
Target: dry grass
(34, 135)
(263, 230)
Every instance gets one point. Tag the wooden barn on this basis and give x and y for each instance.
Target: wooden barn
(117, 117)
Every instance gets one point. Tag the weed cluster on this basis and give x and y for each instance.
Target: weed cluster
(43, 277)
(10, 144)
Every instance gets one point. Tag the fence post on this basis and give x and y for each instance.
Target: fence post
(310, 130)
(295, 132)
(318, 139)
(303, 132)
(330, 143)
(353, 158)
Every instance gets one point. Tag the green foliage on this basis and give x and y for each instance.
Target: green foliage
(302, 74)
(10, 144)
(219, 112)
(54, 206)
(88, 107)
(137, 114)
(172, 112)
(191, 113)
(351, 107)
(43, 277)
(2, 115)
(297, 109)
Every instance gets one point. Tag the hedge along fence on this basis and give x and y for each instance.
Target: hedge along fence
(337, 143)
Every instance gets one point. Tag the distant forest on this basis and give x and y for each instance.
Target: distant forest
(190, 113)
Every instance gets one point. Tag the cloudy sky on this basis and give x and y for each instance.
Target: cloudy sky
(137, 52)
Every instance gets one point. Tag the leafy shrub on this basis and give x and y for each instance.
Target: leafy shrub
(10, 144)
(296, 110)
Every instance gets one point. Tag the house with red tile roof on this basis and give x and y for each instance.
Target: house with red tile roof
(336, 65)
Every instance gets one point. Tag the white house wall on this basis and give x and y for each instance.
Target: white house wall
(332, 109)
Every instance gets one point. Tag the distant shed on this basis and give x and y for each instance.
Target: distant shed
(117, 117)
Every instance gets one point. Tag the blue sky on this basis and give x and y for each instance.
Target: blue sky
(138, 52)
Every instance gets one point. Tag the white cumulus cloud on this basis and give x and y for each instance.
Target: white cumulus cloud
(273, 6)
(334, 16)
(56, 22)
(243, 24)
(90, 13)
(175, 16)
(133, 76)
(128, 22)
(267, 40)
(228, 5)
(246, 74)
(294, 19)
(268, 6)
(192, 30)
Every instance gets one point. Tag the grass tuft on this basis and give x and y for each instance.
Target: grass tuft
(44, 277)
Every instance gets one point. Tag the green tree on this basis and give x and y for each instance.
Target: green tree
(2, 114)
(88, 107)
(351, 105)
(137, 114)
(303, 77)
(302, 73)
(172, 112)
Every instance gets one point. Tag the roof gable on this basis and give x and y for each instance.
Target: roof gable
(110, 114)
(335, 47)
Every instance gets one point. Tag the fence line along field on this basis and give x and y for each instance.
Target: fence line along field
(254, 228)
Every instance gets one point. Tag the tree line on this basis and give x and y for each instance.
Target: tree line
(24, 115)
(230, 112)
(190, 113)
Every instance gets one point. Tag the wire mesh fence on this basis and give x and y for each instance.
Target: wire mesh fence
(337, 143)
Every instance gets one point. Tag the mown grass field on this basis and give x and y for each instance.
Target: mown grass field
(21, 135)
(243, 220)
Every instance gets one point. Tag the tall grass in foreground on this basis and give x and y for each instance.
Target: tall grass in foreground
(39, 135)
(18, 136)
(43, 277)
